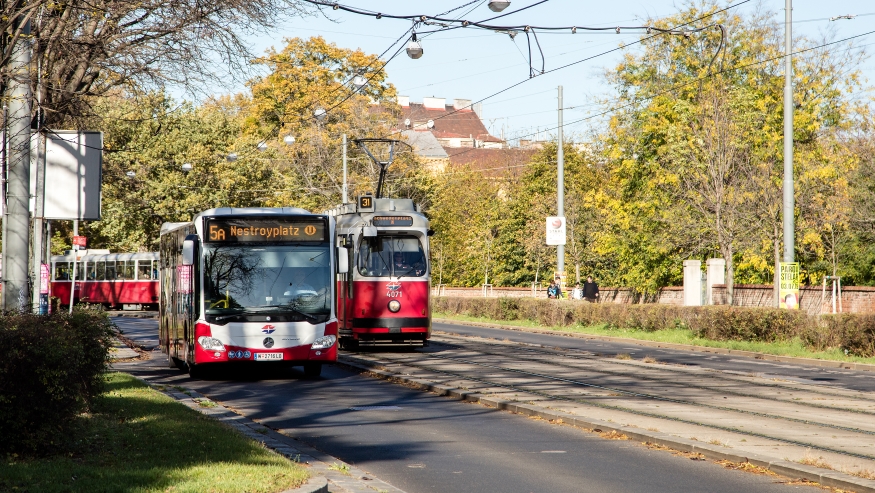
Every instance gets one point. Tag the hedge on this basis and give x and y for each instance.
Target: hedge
(51, 368)
(852, 332)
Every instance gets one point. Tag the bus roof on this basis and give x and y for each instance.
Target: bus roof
(237, 211)
(253, 211)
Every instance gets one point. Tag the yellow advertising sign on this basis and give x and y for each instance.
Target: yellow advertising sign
(789, 285)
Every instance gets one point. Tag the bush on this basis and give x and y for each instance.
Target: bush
(50, 370)
(854, 333)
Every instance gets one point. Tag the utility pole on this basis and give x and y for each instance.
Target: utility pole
(789, 202)
(345, 188)
(560, 187)
(16, 219)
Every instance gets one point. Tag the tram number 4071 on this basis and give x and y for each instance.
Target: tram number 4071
(393, 290)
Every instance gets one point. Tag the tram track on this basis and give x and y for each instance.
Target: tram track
(458, 372)
(666, 368)
(664, 381)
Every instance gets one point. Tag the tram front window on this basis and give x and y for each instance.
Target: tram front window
(286, 280)
(389, 255)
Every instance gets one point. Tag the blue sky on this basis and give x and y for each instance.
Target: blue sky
(473, 64)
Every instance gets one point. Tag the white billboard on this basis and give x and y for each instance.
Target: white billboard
(555, 230)
(74, 167)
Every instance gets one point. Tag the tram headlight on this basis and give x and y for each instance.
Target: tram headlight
(210, 343)
(323, 342)
(394, 306)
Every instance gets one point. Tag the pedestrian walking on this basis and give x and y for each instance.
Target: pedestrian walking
(577, 292)
(590, 290)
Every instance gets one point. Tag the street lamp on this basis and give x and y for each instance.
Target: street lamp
(498, 5)
(231, 157)
(320, 114)
(261, 146)
(186, 167)
(289, 139)
(131, 174)
(359, 81)
(414, 49)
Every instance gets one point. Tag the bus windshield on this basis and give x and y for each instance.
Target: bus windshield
(288, 280)
(391, 255)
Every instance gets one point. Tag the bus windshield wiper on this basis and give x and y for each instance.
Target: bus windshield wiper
(226, 317)
(281, 308)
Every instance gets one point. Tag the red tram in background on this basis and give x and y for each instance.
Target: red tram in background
(384, 298)
(116, 280)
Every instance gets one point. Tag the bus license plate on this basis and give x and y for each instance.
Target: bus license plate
(268, 356)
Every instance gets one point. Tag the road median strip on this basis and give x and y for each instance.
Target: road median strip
(820, 363)
(781, 467)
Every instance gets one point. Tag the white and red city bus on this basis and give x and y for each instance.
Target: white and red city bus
(249, 285)
(384, 298)
(115, 280)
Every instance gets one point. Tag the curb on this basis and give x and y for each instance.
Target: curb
(316, 484)
(822, 363)
(781, 467)
(134, 314)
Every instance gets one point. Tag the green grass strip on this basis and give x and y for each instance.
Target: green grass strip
(794, 348)
(139, 440)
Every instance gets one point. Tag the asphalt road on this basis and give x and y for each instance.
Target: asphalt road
(420, 442)
(828, 377)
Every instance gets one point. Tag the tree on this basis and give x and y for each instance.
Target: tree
(88, 48)
(696, 125)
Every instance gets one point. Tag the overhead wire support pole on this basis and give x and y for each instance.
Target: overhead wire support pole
(345, 186)
(560, 186)
(16, 218)
(789, 199)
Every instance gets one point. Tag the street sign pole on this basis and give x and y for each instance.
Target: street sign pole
(560, 187)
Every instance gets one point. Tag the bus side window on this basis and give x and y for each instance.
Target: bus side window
(99, 271)
(80, 270)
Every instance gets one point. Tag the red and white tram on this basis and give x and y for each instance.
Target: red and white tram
(116, 280)
(384, 299)
(250, 285)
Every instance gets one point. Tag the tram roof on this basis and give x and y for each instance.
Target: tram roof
(103, 257)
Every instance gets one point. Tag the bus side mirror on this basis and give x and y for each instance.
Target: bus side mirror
(188, 250)
(342, 260)
(429, 232)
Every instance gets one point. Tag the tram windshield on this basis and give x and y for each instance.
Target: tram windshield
(287, 280)
(391, 255)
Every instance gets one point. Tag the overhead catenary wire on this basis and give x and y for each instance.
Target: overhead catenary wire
(675, 87)
(523, 81)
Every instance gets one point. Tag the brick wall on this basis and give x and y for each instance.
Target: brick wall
(854, 299)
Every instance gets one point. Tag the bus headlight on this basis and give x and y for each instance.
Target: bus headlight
(210, 343)
(394, 306)
(323, 342)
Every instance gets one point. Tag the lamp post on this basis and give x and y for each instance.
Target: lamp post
(560, 187)
(789, 200)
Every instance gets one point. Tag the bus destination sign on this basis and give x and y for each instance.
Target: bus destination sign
(392, 221)
(237, 230)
